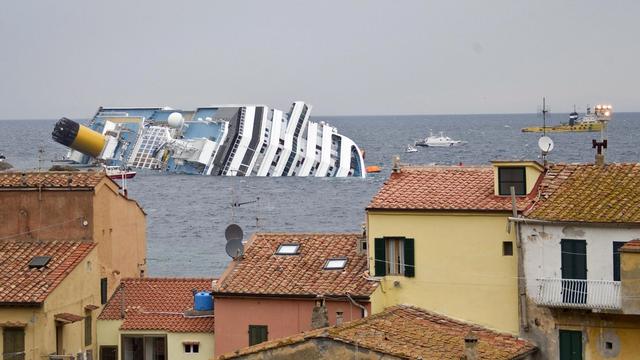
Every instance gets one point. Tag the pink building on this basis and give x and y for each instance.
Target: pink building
(275, 288)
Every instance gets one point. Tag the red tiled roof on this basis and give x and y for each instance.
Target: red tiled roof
(260, 271)
(589, 193)
(443, 188)
(67, 318)
(51, 179)
(631, 246)
(21, 284)
(158, 304)
(409, 332)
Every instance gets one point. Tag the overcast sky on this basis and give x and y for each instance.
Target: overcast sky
(67, 58)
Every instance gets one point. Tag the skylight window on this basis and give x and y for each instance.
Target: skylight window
(38, 262)
(335, 264)
(288, 249)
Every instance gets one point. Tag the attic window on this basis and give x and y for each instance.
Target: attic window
(335, 264)
(512, 176)
(38, 262)
(288, 249)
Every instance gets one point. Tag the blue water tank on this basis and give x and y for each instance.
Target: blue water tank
(203, 301)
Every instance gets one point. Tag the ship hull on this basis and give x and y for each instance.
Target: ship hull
(565, 128)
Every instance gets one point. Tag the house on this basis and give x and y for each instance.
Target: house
(399, 332)
(154, 318)
(438, 239)
(581, 303)
(49, 294)
(82, 206)
(283, 280)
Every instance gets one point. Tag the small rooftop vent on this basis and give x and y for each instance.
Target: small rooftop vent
(38, 262)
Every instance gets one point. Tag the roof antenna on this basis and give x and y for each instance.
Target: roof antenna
(40, 157)
(603, 114)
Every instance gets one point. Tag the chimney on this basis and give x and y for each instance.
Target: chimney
(396, 164)
(319, 315)
(339, 317)
(470, 343)
(599, 146)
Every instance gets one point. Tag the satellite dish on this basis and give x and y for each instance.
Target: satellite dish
(234, 248)
(545, 144)
(175, 120)
(233, 232)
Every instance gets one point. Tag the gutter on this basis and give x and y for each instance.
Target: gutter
(285, 296)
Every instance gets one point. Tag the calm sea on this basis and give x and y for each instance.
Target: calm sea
(187, 215)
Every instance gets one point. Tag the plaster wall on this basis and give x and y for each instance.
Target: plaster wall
(284, 317)
(110, 335)
(119, 229)
(30, 214)
(630, 284)
(460, 270)
(542, 250)
(80, 288)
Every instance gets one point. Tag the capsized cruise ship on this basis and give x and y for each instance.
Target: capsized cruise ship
(233, 140)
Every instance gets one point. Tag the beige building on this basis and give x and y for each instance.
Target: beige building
(49, 294)
(77, 206)
(154, 318)
(581, 265)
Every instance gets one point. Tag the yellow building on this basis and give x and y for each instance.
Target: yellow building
(438, 239)
(77, 206)
(49, 292)
(154, 318)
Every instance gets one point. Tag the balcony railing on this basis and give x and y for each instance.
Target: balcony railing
(581, 294)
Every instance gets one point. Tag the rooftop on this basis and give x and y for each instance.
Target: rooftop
(410, 333)
(51, 179)
(24, 284)
(589, 193)
(443, 188)
(263, 272)
(158, 304)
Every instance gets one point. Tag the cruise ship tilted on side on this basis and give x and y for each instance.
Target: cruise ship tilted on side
(234, 140)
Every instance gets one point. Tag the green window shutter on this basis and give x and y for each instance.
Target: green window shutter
(380, 260)
(409, 258)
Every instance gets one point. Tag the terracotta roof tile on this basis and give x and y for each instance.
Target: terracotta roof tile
(261, 271)
(51, 179)
(411, 333)
(443, 188)
(589, 193)
(21, 284)
(158, 304)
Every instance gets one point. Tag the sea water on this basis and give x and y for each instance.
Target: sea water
(187, 215)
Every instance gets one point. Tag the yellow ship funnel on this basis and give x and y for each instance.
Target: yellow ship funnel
(69, 133)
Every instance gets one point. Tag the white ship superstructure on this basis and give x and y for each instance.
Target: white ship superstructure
(232, 140)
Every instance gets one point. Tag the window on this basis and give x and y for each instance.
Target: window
(394, 256)
(38, 262)
(108, 353)
(191, 347)
(573, 260)
(258, 334)
(87, 330)
(288, 249)
(616, 259)
(148, 347)
(511, 176)
(570, 345)
(13, 343)
(103, 291)
(507, 248)
(335, 264)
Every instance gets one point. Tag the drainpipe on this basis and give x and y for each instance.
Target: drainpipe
(522, 290)
(364, 309)
(470, 343)
(122, 300)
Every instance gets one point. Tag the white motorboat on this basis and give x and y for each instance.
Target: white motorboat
(439, 141)
(411, 149)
